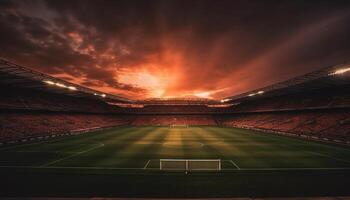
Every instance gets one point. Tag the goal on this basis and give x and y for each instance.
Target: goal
(190, 164)
(178, 126)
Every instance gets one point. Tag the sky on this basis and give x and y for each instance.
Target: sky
(160, 49)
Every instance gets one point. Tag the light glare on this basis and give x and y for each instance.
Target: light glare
(72, 88)
(49, 82)
(225, 100)
(340, 71)
(60, 85)
(253, 94)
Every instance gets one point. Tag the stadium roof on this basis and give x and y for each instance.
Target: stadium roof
(177, 101)
(337, 75)
(16, 75)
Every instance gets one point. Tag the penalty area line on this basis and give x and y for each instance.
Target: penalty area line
(231, 161)
(71, 156)
(289, 169)
(145, 167)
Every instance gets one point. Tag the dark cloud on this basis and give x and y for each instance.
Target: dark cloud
(175, 48)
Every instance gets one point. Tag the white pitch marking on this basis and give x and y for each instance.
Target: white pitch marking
(324, 155)
(146, 164)
(131, 168)
(321, 154)
(289, 169)
(53, 167)
(31, 143)
(235, 164)
(64, 158)
(44, 151)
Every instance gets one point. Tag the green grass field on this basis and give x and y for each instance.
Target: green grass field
(125, 162)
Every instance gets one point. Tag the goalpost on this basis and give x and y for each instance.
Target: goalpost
(178, 126)
(190, 164)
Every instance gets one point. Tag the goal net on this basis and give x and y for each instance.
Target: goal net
(190, 164)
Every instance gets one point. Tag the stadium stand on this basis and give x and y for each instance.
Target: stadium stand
(174, 120)
(32, 99)
(22, 126)
(31, 108)
(315, 99)
(315, 105)
(172, 109)
(323, 124)
(178, 101)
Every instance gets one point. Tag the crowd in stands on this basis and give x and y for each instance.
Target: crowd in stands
(321, 99)
(25, 99)
(28, 113)
(301, 101)
(169, 109)
(321, 114)
(22, 125)
(174, 120)
(322, 124)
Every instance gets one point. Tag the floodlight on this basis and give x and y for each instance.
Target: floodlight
(72, 88)
(49, 82)
(60, 85)
(225, 100)
(340, 71)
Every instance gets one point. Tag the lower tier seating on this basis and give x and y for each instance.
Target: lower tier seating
(332, 125)
(14, 126)
(169, 120)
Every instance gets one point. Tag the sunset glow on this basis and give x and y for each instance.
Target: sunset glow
(173, 49)
(155, 85)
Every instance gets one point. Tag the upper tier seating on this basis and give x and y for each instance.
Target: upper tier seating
(26, 99)
(309, 100)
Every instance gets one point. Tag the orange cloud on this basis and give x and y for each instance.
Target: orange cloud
(172, 48)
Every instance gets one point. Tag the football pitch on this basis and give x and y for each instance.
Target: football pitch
(124, 161)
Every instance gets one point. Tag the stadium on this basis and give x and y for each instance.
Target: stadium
(286, 139)
(175, 99)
